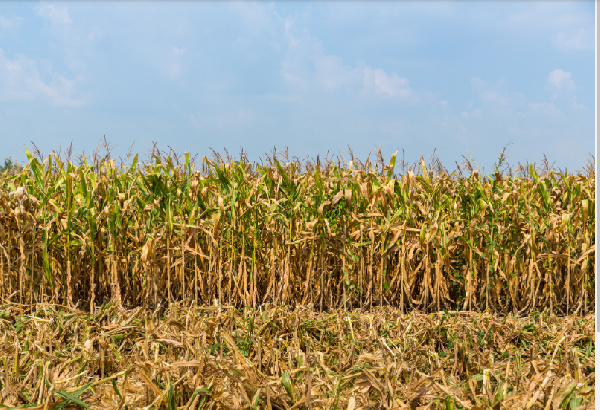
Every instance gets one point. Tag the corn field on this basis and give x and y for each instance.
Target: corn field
(221, 284)
(327, 235)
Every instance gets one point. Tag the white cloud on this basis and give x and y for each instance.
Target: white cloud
(332, 73)
(21, 80)
(544, 15)
(561, 80)
(294, 69)
(7, 24)
(224, 119)
(378, 81)
(477, 113)
(255, 19)
(563, 88)
(291, 39)
(581, 39)
(548, 109)
(307, 64)
(488, 93)
(174, 64)
(397, 128)
(56, 15)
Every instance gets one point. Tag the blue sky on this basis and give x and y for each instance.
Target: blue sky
(459, 77)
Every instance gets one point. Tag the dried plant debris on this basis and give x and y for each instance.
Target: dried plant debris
(218, 357)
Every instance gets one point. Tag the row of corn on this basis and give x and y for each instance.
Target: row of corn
(330, 236)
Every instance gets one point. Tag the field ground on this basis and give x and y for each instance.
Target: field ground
(219, 358)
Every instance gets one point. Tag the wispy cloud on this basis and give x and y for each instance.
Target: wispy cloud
(8, 23)
(307, 63)
(563, 89)
(576, 40)
(57, 15)
(173, 66)
(233, 119)
(561, 80)
(547, 109)
(378, 81)
(498, 93)
(21, 80)
(541, 15)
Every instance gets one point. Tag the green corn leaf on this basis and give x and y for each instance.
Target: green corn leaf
(287, 384)
(116, 389)
(133, 165)
(392, 166)
(71, 398)
(187, 168)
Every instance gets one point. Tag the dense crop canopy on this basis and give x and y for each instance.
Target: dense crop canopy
(326, 234)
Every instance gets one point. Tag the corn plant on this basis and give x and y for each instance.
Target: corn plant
(286, 233)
